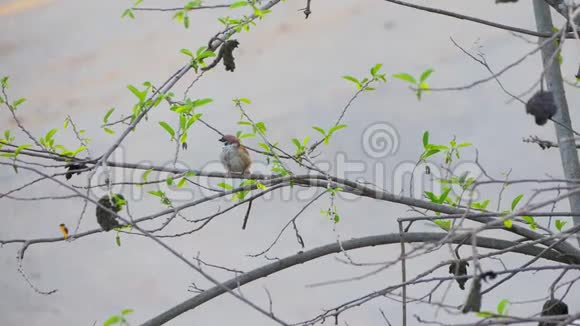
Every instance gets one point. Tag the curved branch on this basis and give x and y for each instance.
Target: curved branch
(303, 257)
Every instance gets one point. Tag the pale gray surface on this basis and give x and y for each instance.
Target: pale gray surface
(76, 57)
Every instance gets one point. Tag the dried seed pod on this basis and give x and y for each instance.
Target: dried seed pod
(74, 168)
(553, 307)
(459, 268)
(228, 54)
(106, 220)
(542, 106)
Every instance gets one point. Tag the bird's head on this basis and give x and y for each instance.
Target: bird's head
(230, 140)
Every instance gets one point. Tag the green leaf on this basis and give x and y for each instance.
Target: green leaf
(432, 197)
(516, 201)
(205, 54)
(530, 220)
(352, 79)
(118, 242)
(560, 224)
(429, 153)
(238, 4)
(78, 150)
(137, 93)
(146, 175)
(484, 314)
(485, 203)
(244, 100)
(183, 138)
(335, 128)
(261, 186)
(186, 52)
(265, 147)
(112, 320)
(182, 121)
(225, 186)
(464, 145)
(320, 130)
(444, 195)
(508, 223)
(425, 138)
(20, 148)
(297, 143)
(50, 133)
(181, 182)
(126, 311)
(182, 109)
(109, 131)
(128, 13)
(439, 147)
(107, 115)
(501, 307)
(18, 102)
(200, 50)
(202, 101)
(482, 205)
(376, 68)
(406, 77)
(168, 128)
(246, 136)
(192, 120)
(444, 224)
(156, 193)
(425, 75)
(192, 4)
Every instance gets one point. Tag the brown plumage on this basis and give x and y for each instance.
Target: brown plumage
(235, 156)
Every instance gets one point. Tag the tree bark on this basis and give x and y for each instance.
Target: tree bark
(553, 76)
(318, 252)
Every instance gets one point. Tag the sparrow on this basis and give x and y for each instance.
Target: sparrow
(236, 159)
(106, 220)
(235, 156)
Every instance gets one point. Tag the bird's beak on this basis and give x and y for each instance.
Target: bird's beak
(222, 140)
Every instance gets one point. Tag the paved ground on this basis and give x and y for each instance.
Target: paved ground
(76, 58)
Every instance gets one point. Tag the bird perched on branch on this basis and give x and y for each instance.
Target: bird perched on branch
(236, 160)
(114, 203)
(235, 156)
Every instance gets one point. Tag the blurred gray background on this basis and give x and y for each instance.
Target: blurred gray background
(77, 57)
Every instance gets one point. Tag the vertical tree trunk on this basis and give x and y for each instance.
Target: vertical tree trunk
(566, 143)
